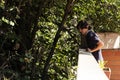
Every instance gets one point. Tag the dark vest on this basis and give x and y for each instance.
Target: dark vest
(92, 40)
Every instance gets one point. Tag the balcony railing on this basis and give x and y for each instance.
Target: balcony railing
(88, 68)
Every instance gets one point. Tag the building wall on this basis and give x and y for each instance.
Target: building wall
(112, 56)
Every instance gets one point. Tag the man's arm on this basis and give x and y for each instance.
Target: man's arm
(100, 44)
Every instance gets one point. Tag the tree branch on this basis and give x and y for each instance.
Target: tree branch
(57, 36)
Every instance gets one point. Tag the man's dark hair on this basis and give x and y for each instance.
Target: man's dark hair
(83, 24)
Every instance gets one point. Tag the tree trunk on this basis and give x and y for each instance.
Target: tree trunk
(57, 36)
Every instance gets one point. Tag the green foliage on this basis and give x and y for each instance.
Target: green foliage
(102, 14)
(28, 29)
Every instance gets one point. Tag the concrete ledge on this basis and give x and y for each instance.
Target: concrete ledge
(88, 68)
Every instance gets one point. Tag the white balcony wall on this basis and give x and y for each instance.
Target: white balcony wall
(88, 68)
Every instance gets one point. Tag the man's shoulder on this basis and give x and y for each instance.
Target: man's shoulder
(90, 33)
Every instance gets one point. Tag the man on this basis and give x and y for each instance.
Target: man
(94, 44)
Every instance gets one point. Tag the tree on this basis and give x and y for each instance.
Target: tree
(39, 39)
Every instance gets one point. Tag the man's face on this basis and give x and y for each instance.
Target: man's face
(83, 31)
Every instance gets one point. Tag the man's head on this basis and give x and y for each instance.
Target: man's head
(83, 26)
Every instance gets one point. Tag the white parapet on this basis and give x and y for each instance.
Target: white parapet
(88, 68)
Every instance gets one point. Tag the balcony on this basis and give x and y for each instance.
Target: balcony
(88, 68)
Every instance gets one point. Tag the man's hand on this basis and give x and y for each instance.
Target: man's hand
(89, 50)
